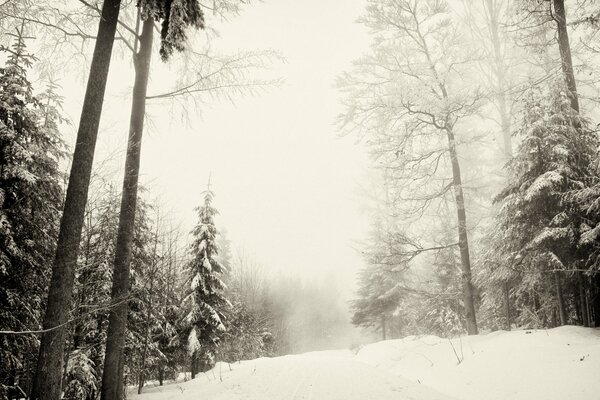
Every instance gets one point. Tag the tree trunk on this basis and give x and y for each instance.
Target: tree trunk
(585, 318)
(115, 340)
(463, 240)
(142, 376)
(507, 305)
(499, 70)
(193, 366)
(562, 314)
(383, 333)
(122, 380)
(47, 379)
(161, 375)
(560, 16)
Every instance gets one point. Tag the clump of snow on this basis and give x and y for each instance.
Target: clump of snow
(548, 364)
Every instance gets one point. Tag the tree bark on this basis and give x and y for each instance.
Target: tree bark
(48, 374)
(463, 240)
(115, 340)
(560, 16)
(562, 314)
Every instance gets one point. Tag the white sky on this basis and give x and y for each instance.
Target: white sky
(285, 182)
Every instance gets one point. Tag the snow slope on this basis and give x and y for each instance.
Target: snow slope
(561, 363)
(330, 375)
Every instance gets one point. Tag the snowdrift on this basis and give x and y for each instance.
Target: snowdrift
(561, 363)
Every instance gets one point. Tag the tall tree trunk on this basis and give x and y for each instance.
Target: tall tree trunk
(47, 379)
(562, 313)
(499, 71)
(463, 240)
(115, 339)
(560, 16)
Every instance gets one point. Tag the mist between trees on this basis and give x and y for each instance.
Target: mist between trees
(484, 191)
(485, 212)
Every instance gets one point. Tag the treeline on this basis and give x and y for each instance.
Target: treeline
(480, 116)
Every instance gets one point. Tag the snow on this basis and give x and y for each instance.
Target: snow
(330, 375)
(549, 364)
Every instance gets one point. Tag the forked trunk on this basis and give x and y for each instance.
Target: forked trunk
(48, 374)
(115, 340)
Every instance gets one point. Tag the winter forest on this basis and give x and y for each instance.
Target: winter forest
(359, 199)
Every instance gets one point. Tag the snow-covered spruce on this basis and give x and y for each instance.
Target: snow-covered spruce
(206, 302)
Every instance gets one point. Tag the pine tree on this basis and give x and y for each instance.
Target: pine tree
(30, 199)
(380, 290)
(90, 297)
(206, 303)
(539, 225)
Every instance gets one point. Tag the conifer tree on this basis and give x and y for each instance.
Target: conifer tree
(30, 199)
(540, 228)
(380, 291)
(206, 303)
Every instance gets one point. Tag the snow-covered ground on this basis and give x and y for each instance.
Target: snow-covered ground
(550, 364)
(561, 363)
(328, 375)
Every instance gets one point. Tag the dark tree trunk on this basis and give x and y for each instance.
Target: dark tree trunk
(463, 240)
(506, 289)
(142, 376)
(583, 301)
(562, 314)
(161, 375)
(47, 379)
(560, 16)
(193, 366)
(115, 340)
(596, 311)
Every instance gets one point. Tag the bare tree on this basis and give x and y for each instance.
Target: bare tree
(409, 97)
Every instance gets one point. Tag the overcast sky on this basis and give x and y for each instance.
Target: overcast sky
(285, 182)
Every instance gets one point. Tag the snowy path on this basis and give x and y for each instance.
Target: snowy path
(331, 375)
